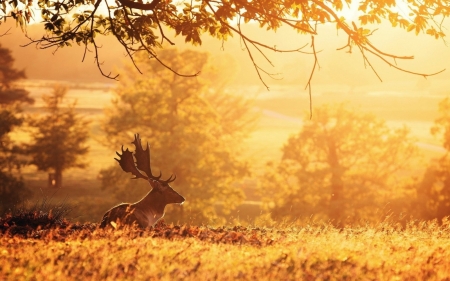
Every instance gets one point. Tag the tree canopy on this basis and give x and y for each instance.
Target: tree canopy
(147, 25)
(434, 189)
(9, 92)
(194, 129)
(341, 165)
(12, 188)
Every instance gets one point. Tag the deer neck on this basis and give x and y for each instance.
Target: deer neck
(152, 205)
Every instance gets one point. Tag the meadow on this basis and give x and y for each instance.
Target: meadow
(248, 247)
(310, 251)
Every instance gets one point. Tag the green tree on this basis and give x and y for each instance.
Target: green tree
(59, 138)
(145, 26)
(12, 187)
(194, 130)
(434, 190)
(340, 166)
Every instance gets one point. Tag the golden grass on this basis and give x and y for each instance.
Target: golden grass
(419, 251)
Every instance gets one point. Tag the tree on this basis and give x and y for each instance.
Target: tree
(12, 187)
(434, 190)
(194, 131)
(340, 166)
(140, 26)
(59, 138)
(10, 93)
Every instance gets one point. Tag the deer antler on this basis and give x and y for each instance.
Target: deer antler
(143, 158)
(170, 179)
(126, 162)
(143, 161)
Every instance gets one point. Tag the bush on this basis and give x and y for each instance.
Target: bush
(12, 191)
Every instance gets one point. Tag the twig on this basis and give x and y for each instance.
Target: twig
(368, 62)
(257, 68)
(6, 32)
(149, 51)
(308, 85)
(401, 69)
(375, 51)
(163, 36)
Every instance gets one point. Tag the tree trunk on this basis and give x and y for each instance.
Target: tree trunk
(58, 178)
(337, 185)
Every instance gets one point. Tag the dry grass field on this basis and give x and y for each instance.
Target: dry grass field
(419, 251)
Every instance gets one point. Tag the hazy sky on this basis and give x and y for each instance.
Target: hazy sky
(336, 67)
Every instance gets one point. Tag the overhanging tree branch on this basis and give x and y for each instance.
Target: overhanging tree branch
(362, 42)
(139, 5)
(135, 24)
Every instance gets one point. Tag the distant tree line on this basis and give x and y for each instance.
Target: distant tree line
(349, 167)
(343, 166)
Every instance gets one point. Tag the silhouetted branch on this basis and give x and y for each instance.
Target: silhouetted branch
(6, 32)
(308, 85)
(140, 6)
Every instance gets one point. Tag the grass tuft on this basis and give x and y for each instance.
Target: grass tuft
(42, 215)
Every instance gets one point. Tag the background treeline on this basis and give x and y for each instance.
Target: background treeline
(343, 165)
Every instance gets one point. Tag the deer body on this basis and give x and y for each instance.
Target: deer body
(150, 209)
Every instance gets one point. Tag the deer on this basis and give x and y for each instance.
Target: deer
(150, 209)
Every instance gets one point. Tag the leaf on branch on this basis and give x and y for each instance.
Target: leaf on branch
(13, 3)
(20, 21)
(49, 26)
(364, 19)
(403, 23)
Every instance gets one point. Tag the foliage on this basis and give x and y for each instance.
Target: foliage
(194, 130)
(12, 188)
(12, 158)
(145, 26)
(9, 160)
(11, 98)
(12, 191)
(442, 123)
(10, 93)
(384, 251)
(59, 138)
(340, 166)
(434, 189)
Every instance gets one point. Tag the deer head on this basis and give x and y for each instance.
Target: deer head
(142, 156)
